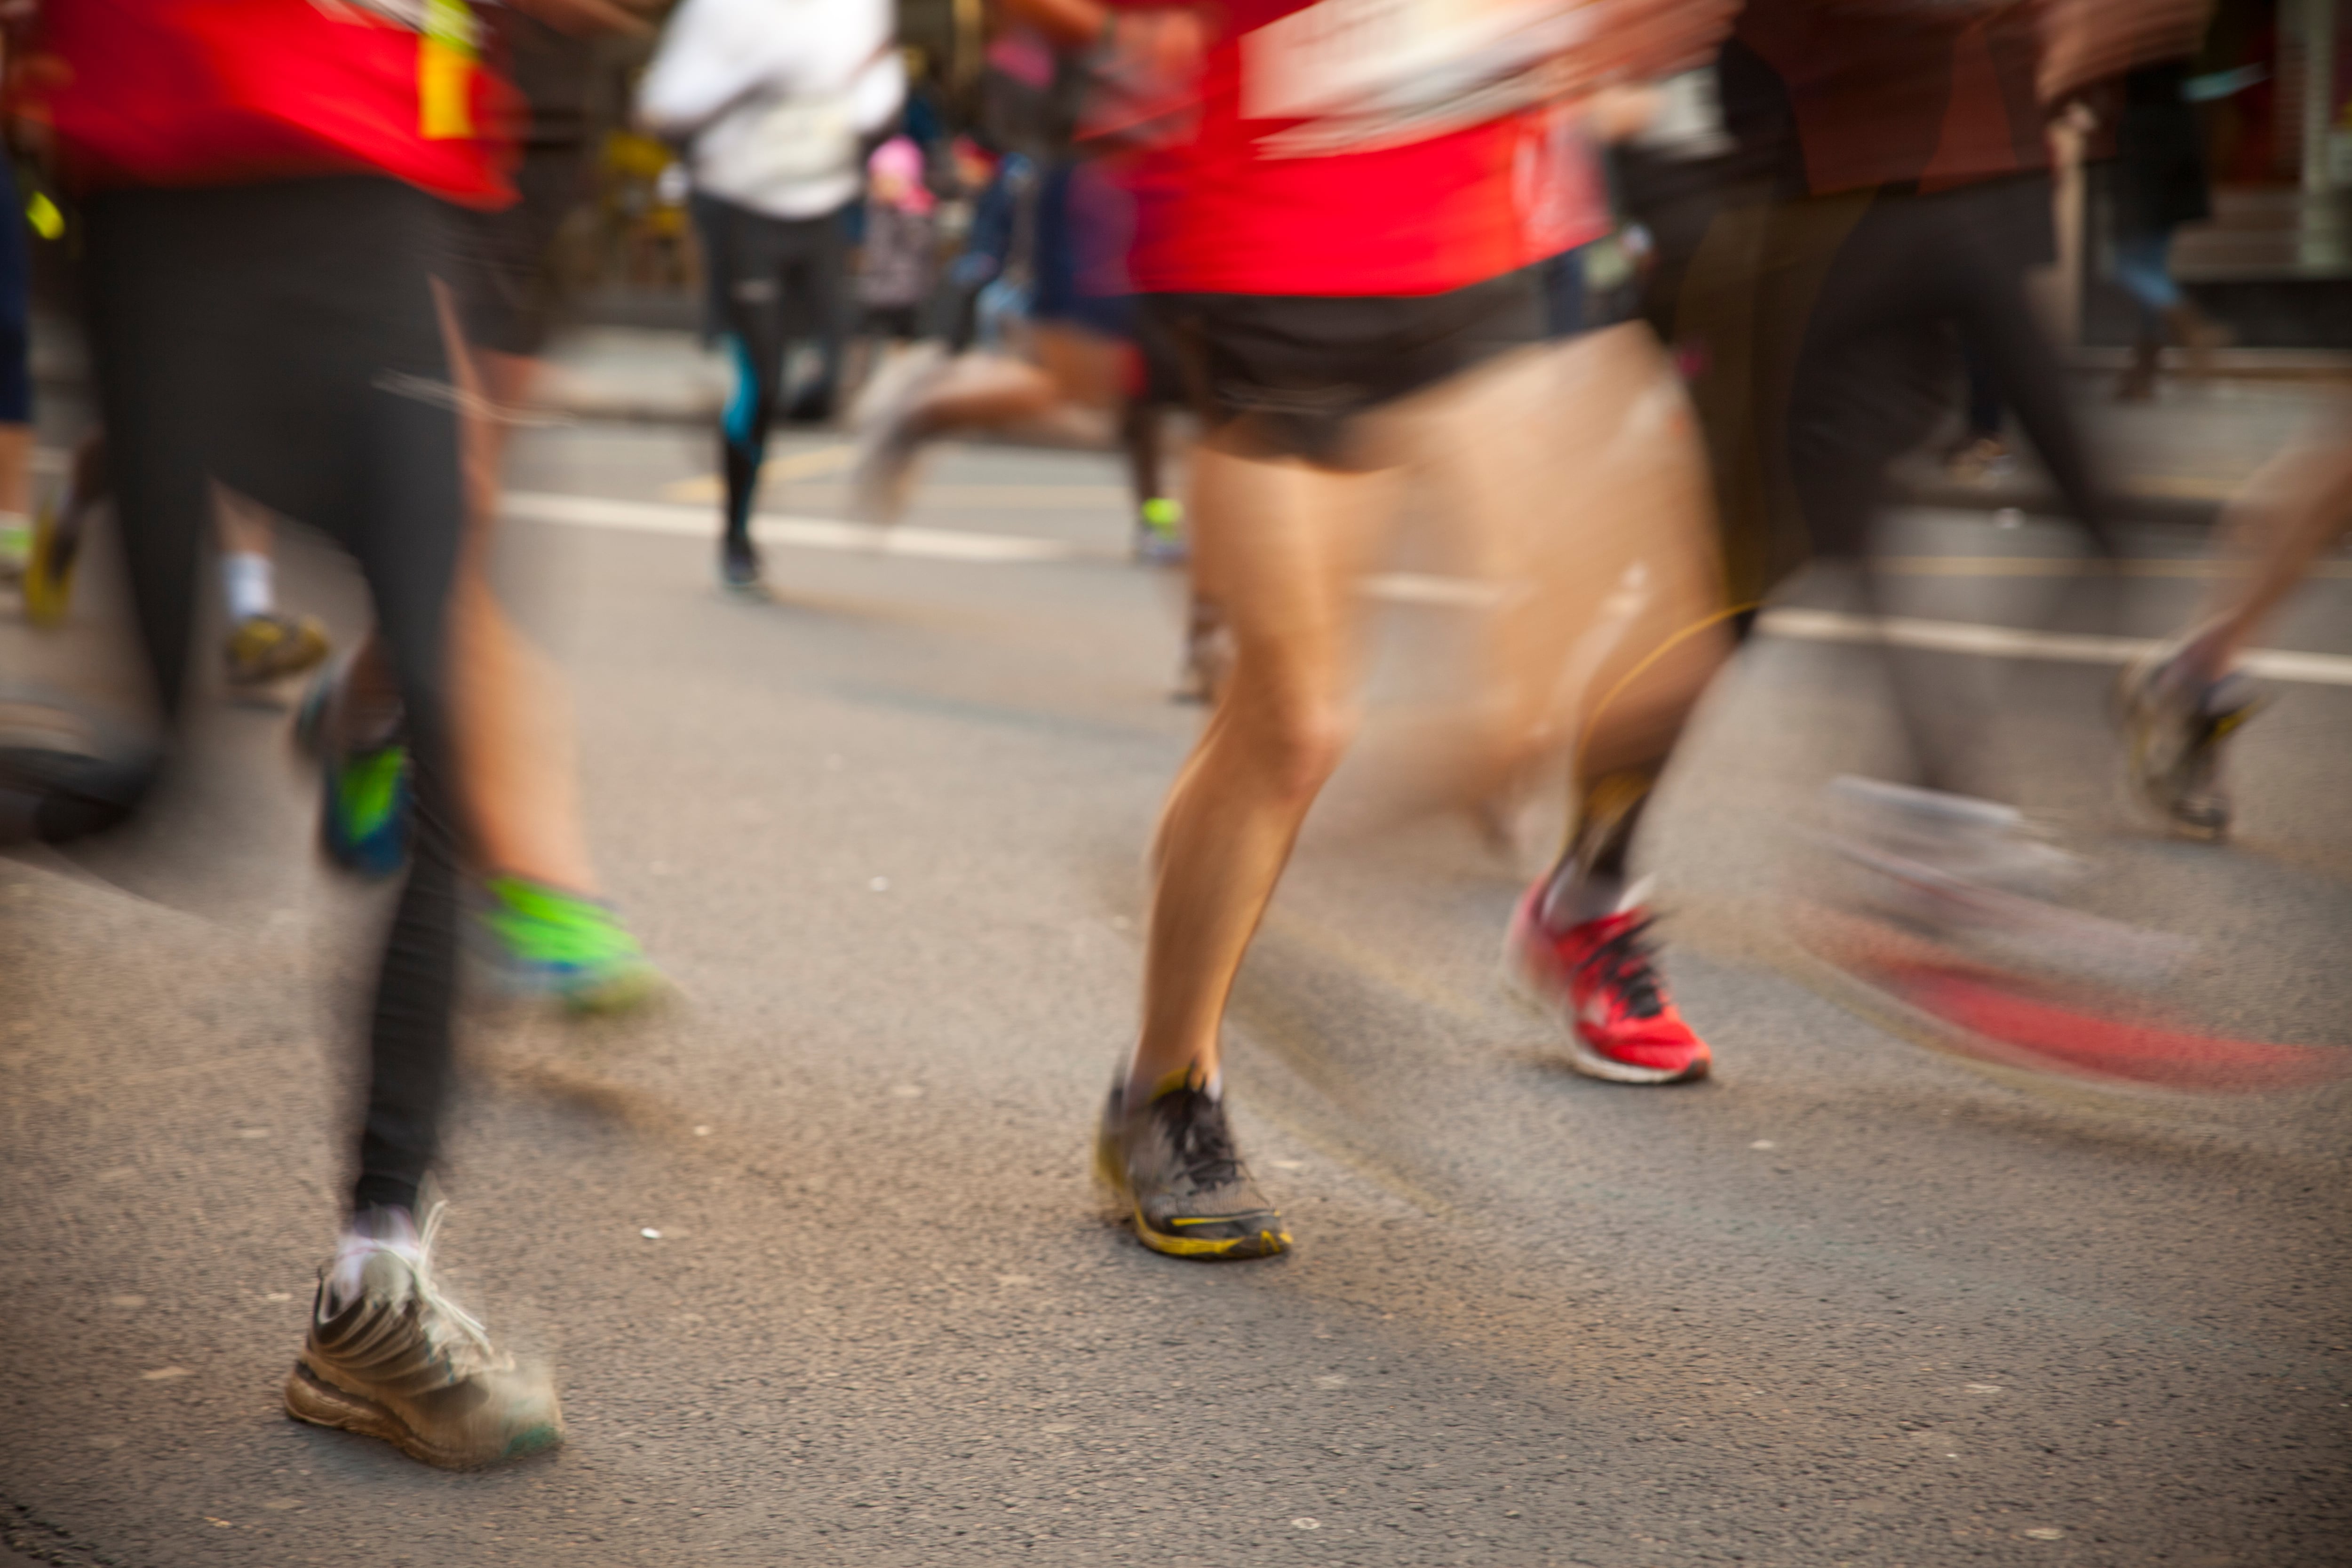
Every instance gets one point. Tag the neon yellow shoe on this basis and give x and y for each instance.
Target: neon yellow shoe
(1159, 533)
(1173, 1167)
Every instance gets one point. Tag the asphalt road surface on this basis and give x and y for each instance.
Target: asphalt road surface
(815, 1248)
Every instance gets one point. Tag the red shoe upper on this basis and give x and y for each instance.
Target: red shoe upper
(1601, 972)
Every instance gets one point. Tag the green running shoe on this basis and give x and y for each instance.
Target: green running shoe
(364, 815)
(547, 942)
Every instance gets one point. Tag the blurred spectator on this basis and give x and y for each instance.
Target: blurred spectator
(897, 263)
(772, 100)
(2159, 183)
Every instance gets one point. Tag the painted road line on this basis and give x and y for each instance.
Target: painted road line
(932, 543)
(973, 497)
(1394, 588)
(2077, 565)
(809, 532)
(2013, 642)
(802, 465)
(809, 463)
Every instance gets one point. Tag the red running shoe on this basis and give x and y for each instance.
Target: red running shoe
(1621, 1025)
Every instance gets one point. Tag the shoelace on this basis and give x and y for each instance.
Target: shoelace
(1623, 965)
(1204, 1146)
(455, 1335)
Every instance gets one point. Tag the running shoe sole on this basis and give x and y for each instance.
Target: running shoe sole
(642, 989)
(311, 1398)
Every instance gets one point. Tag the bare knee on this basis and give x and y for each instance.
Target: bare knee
(1298, 742)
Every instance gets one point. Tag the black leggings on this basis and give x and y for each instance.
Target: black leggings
(282, 339)
(1874, 373)
(772, 280)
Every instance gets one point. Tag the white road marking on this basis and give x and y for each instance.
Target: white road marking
(1394, 588)
(810, 533)
(2012, 642)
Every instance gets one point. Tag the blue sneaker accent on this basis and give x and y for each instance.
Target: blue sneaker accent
(363, 820)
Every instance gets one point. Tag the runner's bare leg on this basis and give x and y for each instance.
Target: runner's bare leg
(1282, 545)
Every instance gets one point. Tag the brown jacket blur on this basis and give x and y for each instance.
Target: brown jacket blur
(2085, 42)
(1926, 94)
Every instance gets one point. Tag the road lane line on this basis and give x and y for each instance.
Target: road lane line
(810, 533)
(1399, 587)
(2078, 566)
(2013, 642)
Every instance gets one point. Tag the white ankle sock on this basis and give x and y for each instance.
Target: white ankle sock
(247, 580)
(377, 1230)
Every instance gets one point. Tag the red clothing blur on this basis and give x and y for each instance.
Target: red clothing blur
(197, 92)
(1224, 215)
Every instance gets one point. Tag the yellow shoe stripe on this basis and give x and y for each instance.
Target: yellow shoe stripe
(1194, 1246)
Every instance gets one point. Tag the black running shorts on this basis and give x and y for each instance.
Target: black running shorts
(501, 263)
(1301, 368)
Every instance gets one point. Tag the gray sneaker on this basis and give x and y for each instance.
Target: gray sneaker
(2174, 729)
(389, 1356)
(1173, 1167)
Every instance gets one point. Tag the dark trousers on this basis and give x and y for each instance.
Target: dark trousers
(15, 308)
(771, 281)
(1873, 373)
(1984, 410)
(282, 339)
(1873, 376)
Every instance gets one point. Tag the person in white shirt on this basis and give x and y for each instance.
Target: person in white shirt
(776, 103)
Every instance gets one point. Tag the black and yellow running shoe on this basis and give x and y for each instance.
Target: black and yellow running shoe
(2174, 724)
(1175, 1171)
(269, 646)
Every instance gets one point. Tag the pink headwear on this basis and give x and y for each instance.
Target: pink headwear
(900, 159)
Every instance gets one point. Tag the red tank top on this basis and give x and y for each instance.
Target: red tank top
(191, 92)
(1275, 196)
